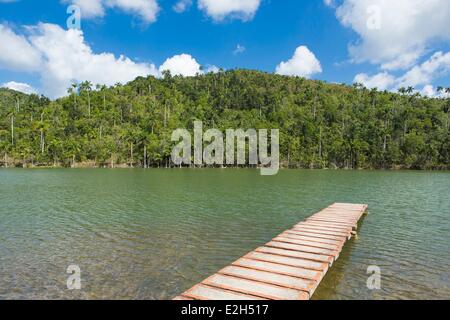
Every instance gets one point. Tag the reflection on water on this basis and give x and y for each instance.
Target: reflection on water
(152, 234)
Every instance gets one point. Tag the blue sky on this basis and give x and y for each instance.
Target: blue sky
(337, 44)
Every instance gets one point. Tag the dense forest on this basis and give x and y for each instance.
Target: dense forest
(321, 125)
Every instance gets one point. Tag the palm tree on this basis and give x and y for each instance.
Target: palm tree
(102, 88)
(409, 90)
(74, 90)
(402, 90)
(86, 86)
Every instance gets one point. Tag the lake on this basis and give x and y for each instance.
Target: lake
(151, 234)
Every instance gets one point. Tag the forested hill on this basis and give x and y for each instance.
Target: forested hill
(321, 125)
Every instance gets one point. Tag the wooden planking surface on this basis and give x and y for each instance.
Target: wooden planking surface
(290, 266)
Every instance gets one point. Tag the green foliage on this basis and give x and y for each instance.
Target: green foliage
(321, 125)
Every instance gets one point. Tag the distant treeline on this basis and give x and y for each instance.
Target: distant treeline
(321, 125)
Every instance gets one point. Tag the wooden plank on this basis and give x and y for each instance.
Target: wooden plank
(280, 269)
(270, 278)
(255, 288)
(301, 248)
(325, 224)
(289, 261)
(318, 235)
(349, 224)
(290, 235)
(328, 224)
(335, 218)
(328, 232)
(308, 243)
(203, 292)
(322, 233)
(323, 228)
(290, 266)
(296, 254)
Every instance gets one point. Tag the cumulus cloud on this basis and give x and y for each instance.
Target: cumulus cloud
(68, 58)
(420, 75)
(16, 53)
(147, 10)
(182, 6)
(212, 69)
(304, 64)
(394, 34)
(221, 9)
(62, 57)
(89, 8)
(428, 91)
(381, 81)
(437, 65)
(19, 86)
(182, 64)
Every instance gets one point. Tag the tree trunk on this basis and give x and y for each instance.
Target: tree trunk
(320, 143)
(165, 116)
(145, 157)
(89, 105)
(42, 134)
(42, 141)
(131, 153)
(12, 130)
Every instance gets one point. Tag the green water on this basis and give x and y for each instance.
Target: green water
(152, 234)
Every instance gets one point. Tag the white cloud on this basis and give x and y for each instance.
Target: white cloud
(182, 5)
(394, 34)
(183, 64)
(304, 64)
(212, 69)
(239, 49)
(420, 75)
(68, 58)
(381, 81)
(89, 8)
(16, 53)
(147, 10)
(62, 57)
(425, 73)
(428, 91)
(238, 9)
(330, 3)
(18, 86)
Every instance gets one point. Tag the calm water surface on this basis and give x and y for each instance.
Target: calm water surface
(152, 234)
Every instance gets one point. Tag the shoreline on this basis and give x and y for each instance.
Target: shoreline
(128, 167)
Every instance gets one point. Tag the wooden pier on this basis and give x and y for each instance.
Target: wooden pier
(291, 266)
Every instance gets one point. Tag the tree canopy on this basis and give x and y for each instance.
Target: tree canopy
(321, 125)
